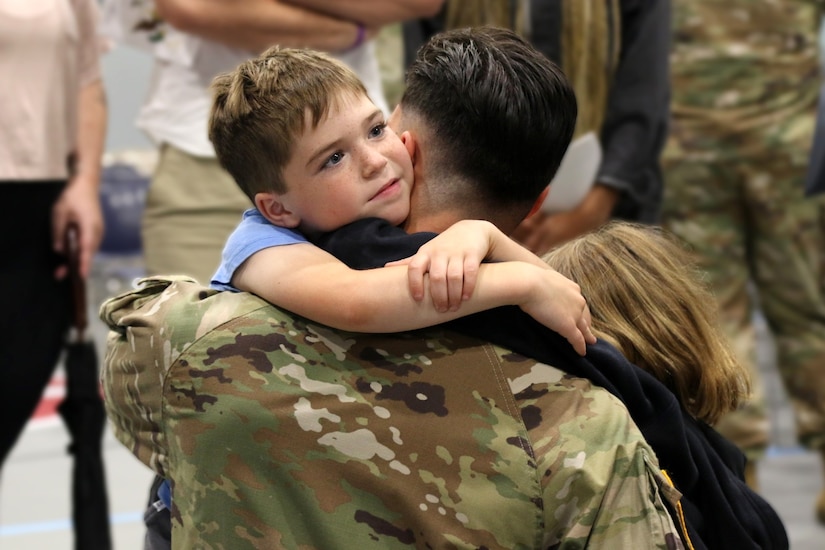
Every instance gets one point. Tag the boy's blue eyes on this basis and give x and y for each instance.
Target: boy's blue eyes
(338, 156)
(334, 159)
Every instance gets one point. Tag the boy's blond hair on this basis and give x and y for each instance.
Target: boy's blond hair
(261, 107)
(647, 298)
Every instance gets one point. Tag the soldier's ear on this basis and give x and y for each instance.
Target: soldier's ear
(539, 202)
(410, 144)
(272, 207)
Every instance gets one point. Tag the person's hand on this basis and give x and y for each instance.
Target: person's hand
(80, 203)
(557, 303)
(541, 232)
(451, 260)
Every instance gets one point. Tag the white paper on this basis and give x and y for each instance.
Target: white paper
(575, 176)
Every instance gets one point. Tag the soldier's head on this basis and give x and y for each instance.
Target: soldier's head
(300, 136)
(494, 117)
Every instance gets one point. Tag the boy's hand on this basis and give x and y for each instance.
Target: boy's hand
(451, 260)
(557, 303)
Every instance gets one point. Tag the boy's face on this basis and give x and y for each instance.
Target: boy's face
(351, 166)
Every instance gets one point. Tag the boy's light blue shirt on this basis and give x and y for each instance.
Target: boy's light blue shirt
(253, 234)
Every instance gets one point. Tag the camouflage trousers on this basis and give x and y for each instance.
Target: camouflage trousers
(738, 200)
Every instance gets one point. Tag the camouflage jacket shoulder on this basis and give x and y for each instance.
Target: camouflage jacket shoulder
(278, 432)
(149, 328)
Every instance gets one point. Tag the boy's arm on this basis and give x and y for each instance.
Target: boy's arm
(451, 260)
(310, 282)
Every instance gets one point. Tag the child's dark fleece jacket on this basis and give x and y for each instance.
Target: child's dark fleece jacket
(721, 511)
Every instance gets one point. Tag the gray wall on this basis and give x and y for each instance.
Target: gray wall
(126, 74)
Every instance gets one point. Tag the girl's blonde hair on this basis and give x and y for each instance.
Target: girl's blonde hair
(647, 298)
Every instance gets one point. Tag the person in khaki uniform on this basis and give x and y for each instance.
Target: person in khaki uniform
(745, 81)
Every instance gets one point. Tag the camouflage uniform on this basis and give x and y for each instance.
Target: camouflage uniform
(745, 77)
(281, 433)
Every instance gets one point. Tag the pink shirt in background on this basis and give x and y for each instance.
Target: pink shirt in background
(49, 50)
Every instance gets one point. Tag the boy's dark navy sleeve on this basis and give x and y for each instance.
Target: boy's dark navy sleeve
(371, 243)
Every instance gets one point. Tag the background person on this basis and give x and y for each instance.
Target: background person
(746, 79)
(52, 127)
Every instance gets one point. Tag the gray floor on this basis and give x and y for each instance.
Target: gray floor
(34, 489)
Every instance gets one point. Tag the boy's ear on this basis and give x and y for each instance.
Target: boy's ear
(272, 208)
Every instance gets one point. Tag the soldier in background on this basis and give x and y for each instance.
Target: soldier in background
(745, 81)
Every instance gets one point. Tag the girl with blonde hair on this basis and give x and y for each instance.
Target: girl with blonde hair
(648, 299)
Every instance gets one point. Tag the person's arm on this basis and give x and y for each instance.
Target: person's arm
(255, 25)
(638, 107)
(449, 263)
(373, 13)
(80, 201)
(541, 232)
(451, 260)
(310, 282)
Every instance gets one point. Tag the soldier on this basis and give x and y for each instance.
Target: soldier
(331, 439)
(745, 81)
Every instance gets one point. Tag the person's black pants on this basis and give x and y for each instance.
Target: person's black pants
(35, 309)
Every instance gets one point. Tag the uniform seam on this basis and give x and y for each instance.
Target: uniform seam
(523, 442)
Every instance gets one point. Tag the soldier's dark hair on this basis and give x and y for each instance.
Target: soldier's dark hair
(502, 110)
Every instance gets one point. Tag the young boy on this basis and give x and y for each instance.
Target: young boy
(300, 136)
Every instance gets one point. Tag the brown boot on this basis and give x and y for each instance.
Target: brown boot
(750, 475)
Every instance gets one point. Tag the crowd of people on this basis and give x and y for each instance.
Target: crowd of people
(477, 371)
